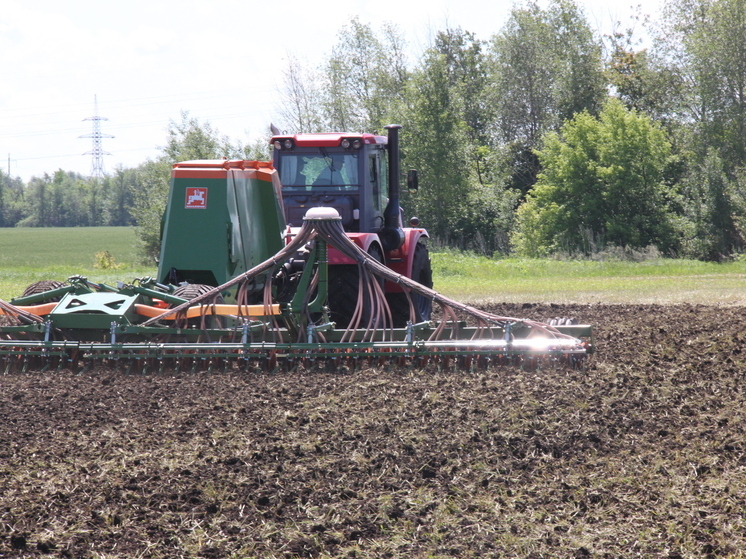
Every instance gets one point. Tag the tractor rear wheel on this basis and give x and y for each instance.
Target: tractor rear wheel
(344, 281)
(422, 273)
(344, 284)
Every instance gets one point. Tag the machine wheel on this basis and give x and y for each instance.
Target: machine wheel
(42, 286)
(192, 290)
(344, 282)
(422, 273)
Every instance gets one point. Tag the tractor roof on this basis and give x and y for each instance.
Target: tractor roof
(330, 139)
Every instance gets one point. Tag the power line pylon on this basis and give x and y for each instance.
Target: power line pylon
(97, 153)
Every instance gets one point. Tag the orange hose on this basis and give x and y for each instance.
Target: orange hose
(39, 310)
(255, 311)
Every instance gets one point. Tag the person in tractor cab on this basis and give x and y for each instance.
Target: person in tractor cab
(338, 171)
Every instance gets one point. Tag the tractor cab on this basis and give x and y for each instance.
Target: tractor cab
(348, 172)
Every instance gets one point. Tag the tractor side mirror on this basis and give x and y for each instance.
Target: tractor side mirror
(412, 180)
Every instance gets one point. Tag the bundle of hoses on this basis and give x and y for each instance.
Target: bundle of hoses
(22, 315)
(327, 223)
(336, 237)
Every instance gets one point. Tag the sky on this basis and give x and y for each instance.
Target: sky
(139, 64)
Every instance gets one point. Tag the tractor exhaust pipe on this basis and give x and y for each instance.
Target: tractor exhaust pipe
(392, 234)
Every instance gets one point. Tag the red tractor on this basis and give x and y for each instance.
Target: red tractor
(358, 175)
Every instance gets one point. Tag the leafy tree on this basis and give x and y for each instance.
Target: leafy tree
(257, 151)
(673, 46)
(365, 77)
(462, 200)
(4, 183)
(714, 207)
(644, 83)
(704, 43)
(38, 202)
(436, 141)
(641, 78)
(11, 199)
(601, 183)
(3, 180)
(737, 201)
(120, 199)
(722, 44)
(301, 97)
(150, 195)
(68, 199)
(487, 218)
(359, 87)
(523, 63)
(546, 67)
(96, 192)
(580, 84)
(701, 50)
(14, 206)
(192, 139)
(467, 72)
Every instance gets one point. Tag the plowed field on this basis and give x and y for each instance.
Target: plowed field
(642, 454)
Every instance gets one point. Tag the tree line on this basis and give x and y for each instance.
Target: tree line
(66, 199)
(542, 139)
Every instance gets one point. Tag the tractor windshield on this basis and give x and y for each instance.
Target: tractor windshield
(307, 171)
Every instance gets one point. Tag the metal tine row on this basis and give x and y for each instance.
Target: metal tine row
(272, 362)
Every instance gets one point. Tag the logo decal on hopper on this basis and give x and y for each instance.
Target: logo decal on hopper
(196, 197)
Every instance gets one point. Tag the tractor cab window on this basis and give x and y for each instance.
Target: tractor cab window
(330, 171)
(384, 178)
(378, 175)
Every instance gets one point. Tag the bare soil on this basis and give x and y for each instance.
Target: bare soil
(642, 454)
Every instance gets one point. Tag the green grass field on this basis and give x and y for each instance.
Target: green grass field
(477, 279)
(31, 254)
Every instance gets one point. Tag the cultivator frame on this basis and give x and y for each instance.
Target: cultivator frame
(144, 327)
